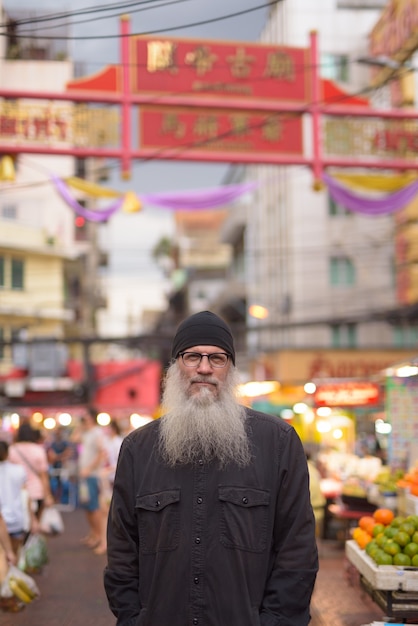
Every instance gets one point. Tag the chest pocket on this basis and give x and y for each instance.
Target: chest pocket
(158, 516)
(244, 518)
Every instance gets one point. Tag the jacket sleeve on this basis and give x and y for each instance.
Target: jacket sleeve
(294, 566)
(121, 574)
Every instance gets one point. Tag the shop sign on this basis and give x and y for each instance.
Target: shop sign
(396, 32)
(300, 366)
(211, 130)
(394, 36)
(79, 125)
(347, 394)
(369, 137)
(204, 67)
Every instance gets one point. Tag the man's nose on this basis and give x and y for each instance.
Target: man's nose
(204, 365)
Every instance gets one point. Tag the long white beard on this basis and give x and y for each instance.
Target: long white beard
(202, 426)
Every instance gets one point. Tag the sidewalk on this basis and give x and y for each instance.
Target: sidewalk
(71, 584)
(72, 591)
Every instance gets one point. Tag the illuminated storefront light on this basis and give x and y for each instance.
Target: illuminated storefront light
(137, 420)
(103, 419)
(299, 408)
(65, 419)
(50, 423)
(37, 417)
(309, 387)
(382, 427)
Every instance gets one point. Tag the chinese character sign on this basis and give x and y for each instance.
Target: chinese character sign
(220, 130)
(199, 67)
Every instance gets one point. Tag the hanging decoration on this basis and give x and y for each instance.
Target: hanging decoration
(129, 202)
(376, 182)
(88, 214)
(198, 199)
(367, 205)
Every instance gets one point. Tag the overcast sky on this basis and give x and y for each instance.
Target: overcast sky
(134, 279)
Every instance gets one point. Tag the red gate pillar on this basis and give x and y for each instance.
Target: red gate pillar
(125, 99)
(317, 164)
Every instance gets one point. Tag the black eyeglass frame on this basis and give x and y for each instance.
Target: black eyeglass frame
(209, 356)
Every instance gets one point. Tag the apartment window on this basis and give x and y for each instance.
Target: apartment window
(335, 67)
(405, 336)
(344, 335)
(342, 272)
(9, 212)
(17, 273)
(2, 272)
(335, 209)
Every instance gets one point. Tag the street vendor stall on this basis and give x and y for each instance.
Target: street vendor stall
(393, 588)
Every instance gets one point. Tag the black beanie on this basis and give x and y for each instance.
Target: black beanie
(203, 329)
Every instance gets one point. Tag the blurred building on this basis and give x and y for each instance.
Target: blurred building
(330, 289)
(49, 259)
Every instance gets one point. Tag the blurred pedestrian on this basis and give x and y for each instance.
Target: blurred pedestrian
(5, 543)
(28, 451)
(59, 451)
(318, 499)
(91, 460)
(14, 505)
(113, 442)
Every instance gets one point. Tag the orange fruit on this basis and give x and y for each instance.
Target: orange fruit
(383, 516)
(382, 558)
(377, 529)
(391, 547)
(411, 549)
(401, 559)
(366, 523)
(364, 540)
(402, 538)
(407, 527)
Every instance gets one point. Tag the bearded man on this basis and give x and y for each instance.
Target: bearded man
(210, 522)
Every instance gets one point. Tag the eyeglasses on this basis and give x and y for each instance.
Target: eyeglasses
(193, 359)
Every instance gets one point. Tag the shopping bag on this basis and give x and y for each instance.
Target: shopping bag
(51, 522)
(33, 554)
(17, 590)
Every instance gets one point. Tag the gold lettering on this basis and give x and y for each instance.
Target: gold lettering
(240, 63)
(201, 59)
(206, 126)
(171, 125)
(272, 129)
(280, 65)
(161, 57)
(240, 124)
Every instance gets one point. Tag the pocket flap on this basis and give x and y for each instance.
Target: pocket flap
(244, 496)
(158, 500)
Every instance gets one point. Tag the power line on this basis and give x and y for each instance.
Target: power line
(158, 30)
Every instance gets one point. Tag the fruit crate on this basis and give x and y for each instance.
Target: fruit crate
(384, 577)
(411, 504)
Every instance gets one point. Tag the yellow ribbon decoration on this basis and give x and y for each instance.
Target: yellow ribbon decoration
(376, 182)
(92, 189)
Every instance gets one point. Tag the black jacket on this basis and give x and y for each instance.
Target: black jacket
(203, 546)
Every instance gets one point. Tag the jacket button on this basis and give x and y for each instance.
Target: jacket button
(157, 503)
(245, 500)
(199, 500)
(196, 580)
(197, 540)
(195, 621)
(200, 462)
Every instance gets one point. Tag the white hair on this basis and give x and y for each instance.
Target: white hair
(202, 426)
